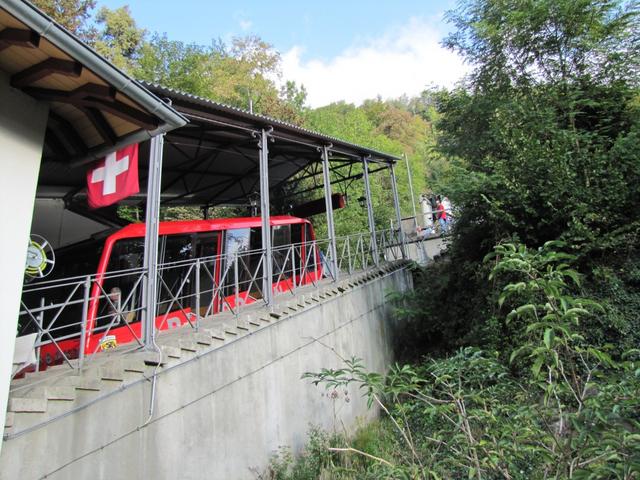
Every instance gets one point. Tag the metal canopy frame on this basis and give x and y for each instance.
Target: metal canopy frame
(227, 156)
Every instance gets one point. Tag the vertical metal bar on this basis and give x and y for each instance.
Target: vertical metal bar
(197, 282)
(267, 267)
(372, 224)
(152, 221)
(396, 203)
(236, 285)
(39, 337)
(413, 199)
(329, 207)
(293, 266)
(83, 326)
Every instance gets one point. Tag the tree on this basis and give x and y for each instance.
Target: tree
(173, 64)
(542, 142)
(548, 119)
(119, 40)
(74, 15)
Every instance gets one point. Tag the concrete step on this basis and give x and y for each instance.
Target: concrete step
(230, 330)
(169, 351)
(111, 373)
(27, 405)
(202, 338)
(253, 321)
(135, 365)
(185, 344)
(60, 393)
(216, 333)
(8, 420)
(242, 324)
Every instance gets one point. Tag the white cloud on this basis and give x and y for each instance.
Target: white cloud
(403, 60)
(245, 25)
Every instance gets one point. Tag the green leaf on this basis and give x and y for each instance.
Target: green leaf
(548, 337)
(537, 365)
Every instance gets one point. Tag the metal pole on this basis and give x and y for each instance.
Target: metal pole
(152, 221)
(372, 223)
(41, 327)
(267, 269)
(293, 265)
(236, 286)
(329, 206)
(396, 202)
(197, 282)
(413, 199)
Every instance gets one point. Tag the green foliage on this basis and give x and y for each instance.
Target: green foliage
(573, 412)
(543, 145)
(310, 464)
(74, 15)
(119, 39)
(547, 126)
(234, 74)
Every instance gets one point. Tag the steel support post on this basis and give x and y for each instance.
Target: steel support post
(372, 223)
(267, 267)
(329, 205)
(197, 299)
(396, 203)
(152, 224)
(413, 199)
(83, 328)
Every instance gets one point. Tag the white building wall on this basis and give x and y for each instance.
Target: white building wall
(23, 122)
(59, 226)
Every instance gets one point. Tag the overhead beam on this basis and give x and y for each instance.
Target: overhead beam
(126, 112)
(18, 37)
(52, 139)
(41, 70)
(68, 132)
(98, 97)
(101, 125)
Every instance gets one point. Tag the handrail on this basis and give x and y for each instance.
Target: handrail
(189, 290)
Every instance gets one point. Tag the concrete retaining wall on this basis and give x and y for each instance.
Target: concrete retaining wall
(222, 414)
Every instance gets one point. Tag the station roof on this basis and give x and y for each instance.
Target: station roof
(211, 150)
(213, 159)
(94, 107)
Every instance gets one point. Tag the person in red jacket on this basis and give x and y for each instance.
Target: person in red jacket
(441, 214)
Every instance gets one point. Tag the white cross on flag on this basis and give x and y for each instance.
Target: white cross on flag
(113, 178)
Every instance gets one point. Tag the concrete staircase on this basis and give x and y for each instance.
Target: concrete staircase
(43, 397)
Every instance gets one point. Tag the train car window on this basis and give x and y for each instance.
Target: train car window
(255, 262)
(127, 254)
(174, 272)
(281, 245)
(237, 242)
(206, 248)
(296, 240)
(310, 252)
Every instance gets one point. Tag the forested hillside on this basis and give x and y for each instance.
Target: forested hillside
(521, 352)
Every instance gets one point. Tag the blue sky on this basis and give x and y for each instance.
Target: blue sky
(350, 49)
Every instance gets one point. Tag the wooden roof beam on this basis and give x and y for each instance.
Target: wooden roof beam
(43, 69)
(68, 132)
(98, 97)
(18, 37)
(101, 125)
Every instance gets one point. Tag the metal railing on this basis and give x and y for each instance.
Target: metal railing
(74, 318)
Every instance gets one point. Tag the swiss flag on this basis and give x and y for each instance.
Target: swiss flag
(113, 178)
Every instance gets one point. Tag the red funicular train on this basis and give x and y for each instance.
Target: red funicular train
(217, 242)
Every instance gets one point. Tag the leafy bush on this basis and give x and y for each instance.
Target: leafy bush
(560, 408)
